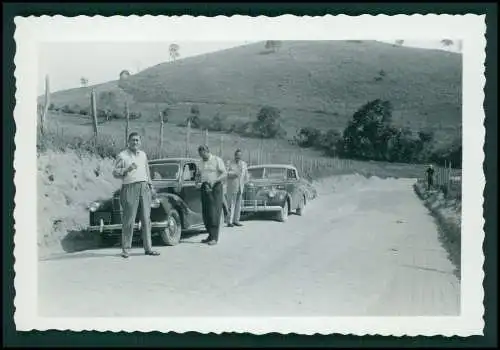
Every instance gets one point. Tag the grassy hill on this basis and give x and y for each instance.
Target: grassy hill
(314, 83)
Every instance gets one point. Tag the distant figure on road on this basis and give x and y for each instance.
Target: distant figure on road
(132, 167)
(430, 177)
(237, 176)
(212, 173)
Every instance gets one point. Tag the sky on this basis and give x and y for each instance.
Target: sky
(99, 62)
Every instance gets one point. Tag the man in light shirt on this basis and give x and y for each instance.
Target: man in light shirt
(212, 173)
(237, 176)
(132, 167)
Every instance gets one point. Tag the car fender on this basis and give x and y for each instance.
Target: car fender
(286, 197)
(170, 201)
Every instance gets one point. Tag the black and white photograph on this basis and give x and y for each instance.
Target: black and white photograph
(238, 174)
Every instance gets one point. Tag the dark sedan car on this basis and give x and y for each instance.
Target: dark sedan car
(276, 188)
(175, 207)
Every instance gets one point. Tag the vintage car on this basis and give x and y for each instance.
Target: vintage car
(276, 188)
(176, 204)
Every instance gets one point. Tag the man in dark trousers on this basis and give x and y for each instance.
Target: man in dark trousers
(212, 173)
(430, 176)
(132, 168)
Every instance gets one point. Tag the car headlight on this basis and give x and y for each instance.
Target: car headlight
(272, 193)
(155, 203)
(94, 206)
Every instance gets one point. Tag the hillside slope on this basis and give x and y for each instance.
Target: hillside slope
(314, 83)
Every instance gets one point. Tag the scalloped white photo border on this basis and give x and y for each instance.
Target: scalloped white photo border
(32, 31)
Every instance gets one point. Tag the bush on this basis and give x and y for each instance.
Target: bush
(66, 109)
(267, 124)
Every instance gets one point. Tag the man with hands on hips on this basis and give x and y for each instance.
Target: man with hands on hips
(212, 173)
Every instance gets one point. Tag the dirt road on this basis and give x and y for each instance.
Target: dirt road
(364, 247)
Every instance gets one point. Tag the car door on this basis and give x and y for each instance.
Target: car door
(190, 192)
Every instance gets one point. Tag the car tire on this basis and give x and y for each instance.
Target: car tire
(283, 213)
(302, 206)
(171, 235)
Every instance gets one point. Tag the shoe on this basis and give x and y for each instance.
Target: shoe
(125, 255)
(230, 225)
(238, 224)
(206, 240)
(212, 242)
(152, 252)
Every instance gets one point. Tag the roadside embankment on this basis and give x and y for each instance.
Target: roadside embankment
(66, 183)
(447, 213)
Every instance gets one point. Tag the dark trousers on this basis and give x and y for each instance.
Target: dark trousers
(211, 203)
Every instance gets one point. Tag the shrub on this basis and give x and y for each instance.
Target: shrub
(267, 124)
(66, 109)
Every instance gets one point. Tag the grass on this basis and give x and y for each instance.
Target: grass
(314, 83)
(76, 133)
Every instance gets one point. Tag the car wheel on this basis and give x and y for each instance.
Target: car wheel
(171, 235)
(283, 213)
(302, 206)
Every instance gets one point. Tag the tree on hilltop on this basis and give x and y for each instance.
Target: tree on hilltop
(447, 42)
(84, 82)
(174, 51)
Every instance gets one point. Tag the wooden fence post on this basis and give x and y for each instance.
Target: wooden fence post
(127, 122)
(449, 178)
(94, 111)
(43, 115)
(221, 146)
(161, 130)
(188, 135)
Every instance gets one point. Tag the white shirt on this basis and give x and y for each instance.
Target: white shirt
(236, 184)
(125, 159)
(211, 169)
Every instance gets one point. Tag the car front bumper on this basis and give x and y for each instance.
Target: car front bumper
(114, 227)
(252, 206)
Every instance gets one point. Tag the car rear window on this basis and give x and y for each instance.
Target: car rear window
(168, 171)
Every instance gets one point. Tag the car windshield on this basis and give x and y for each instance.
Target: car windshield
(268, 173)
(166, 171)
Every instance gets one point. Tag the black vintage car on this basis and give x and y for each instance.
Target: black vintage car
(276, 188)
(175, 207)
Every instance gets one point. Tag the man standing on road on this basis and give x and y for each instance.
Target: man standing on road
(237, 177)
(212, 173)
(132, 167)
(430, 176)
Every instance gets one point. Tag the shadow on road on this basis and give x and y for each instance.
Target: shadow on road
(427, 269)
(87, 255)
(79, 241)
